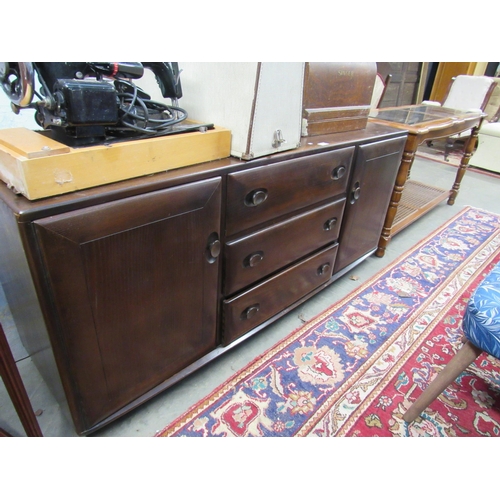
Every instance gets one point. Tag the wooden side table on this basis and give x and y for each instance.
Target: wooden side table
(410, 199)
(17, 392)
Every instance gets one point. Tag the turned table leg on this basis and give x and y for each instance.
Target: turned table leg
(401, 178)
(468, 151)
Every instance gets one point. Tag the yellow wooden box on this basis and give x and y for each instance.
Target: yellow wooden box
(36, 166)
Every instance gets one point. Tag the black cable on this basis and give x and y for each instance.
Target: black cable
(45, 87)
(131, 105)
(136, 111)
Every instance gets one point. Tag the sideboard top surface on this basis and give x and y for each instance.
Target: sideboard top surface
(26, 210)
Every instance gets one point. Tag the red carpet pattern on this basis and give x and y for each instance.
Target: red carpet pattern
(355, 368)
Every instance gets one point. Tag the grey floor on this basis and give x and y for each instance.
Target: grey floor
(478, 190)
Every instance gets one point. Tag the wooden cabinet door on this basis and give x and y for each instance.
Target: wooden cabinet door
(371, 187)
(134, 290)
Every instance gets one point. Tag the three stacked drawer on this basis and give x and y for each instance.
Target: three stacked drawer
(282, 227)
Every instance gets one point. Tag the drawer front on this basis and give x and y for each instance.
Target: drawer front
(253, 257)
(253, 307)
(263, 193)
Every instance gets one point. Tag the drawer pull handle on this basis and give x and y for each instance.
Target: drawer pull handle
(330, 224)
(253, 259)
(213, 248)
(355, 193)
(250, 312)
(256, 197)
(323, 269)
(338, 172)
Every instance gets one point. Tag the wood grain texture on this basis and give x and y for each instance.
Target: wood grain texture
(290, 185)
(134, 296)
(81, 168)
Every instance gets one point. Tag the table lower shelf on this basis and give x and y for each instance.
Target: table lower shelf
(416, 200)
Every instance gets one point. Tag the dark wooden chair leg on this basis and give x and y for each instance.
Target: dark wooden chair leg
(462, 359)
(15, 387)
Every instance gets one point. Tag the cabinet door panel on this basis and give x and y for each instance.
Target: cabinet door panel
(371, 187)
(134, 288)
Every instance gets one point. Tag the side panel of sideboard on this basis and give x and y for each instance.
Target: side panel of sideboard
(24, 304)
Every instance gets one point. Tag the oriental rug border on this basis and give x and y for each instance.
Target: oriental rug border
(320, 379)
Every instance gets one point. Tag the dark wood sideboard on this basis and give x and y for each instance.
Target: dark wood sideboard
(119, 291)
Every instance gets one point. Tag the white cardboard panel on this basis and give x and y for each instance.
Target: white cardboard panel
(252, 104)
(278, 106)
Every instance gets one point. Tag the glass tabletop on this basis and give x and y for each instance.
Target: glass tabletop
(417, 114)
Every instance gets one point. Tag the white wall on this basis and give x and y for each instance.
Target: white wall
(26, 118)
(8, 119)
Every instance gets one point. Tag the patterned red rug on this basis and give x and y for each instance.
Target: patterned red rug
(356, 368)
